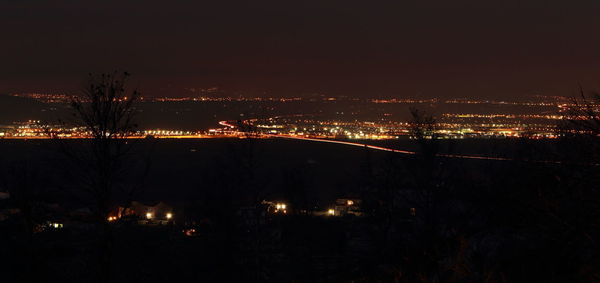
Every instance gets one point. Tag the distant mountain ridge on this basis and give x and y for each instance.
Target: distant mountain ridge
(15, 109)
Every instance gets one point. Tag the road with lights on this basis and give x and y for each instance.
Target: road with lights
(388, 149)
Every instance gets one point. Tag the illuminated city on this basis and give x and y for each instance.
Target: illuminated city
(299, 141)
(373, 124)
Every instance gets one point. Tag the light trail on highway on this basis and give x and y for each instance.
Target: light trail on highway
(381, 148)
(389, 149)
(374, 147)
(345, 143)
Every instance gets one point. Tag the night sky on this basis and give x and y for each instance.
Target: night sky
(500, 49)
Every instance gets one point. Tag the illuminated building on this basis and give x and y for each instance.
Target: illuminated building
(348, 206)
(151, 213)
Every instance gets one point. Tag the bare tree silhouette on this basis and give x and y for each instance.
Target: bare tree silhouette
(104, 112)
(570, 208)
(584, 114)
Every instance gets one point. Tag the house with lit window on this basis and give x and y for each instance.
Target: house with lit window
(259, 214)
(347, 206)
(157, 213)
(276, 207)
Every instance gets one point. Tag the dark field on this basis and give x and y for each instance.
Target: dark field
(474, 219)
(179, 168)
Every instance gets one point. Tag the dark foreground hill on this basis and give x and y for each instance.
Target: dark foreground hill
(421, 219)
(182, 167)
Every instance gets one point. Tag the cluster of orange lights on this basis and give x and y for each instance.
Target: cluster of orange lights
(150, 215)
(189, 232)
(281, 207)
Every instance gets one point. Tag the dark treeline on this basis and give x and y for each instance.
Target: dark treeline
(423, 218)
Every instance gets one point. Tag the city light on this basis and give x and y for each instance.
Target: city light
(148, 215)
(343, 125)
(281, 207)
(169, 215)
(189, 232)
(56, 225)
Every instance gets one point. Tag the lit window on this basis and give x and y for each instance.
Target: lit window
(280, 207)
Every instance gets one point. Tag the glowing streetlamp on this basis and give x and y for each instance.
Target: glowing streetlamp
(148, 215)
(169, 215)
(280, 207)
